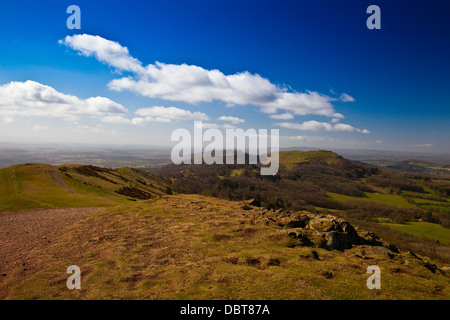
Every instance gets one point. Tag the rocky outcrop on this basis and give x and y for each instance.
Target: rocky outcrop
(328, 232)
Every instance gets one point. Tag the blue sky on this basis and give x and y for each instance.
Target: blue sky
(298, 58)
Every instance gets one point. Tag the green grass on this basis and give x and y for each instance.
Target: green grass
(435, 208)
(37, 184)
(425, 229)
(11, 196)
(40, 186)
(429, 201)
(389, 199)
(425, 188)
(236, 172)
(290, 158)
(384, 220)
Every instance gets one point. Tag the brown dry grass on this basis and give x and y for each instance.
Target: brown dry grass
(195, 247)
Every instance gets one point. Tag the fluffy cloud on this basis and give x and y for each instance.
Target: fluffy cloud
(165, 114)
(320, 126)
(194, 84)
(335, 120)
(103, 50)
(283, 116)
(206, 125)
(233, 120)
(31, 98)
(346, 98)
(116, 120)
(306, 138)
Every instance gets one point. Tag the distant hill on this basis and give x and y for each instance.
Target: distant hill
(34, 186)
(289, 158)
(437, 169)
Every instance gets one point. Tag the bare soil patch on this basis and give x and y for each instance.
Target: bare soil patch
(21, 232)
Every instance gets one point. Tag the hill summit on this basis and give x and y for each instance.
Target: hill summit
(35, 185)
(289, 158)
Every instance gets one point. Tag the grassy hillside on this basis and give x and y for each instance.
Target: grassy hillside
(389, 199)
(290, 158)
(423, 229)
(196, 247)
(33, 186)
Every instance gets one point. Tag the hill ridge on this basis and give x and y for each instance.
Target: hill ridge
(37, 185)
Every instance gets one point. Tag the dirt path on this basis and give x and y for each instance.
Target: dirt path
(55, 175)
(21, 232)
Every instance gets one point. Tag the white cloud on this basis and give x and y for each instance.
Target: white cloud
(335, 120)
(307, 126)
(233, 120)
(313, 125)
(347, 127)
(306, 138)
(346, 98)
(194, 84)
(106, 51)
(6, 118)
(142, 121)
(31, 98)
(116, 120)
(166, 114)
(40, 128)
(206, 125)
(424, 145)
(283, 116)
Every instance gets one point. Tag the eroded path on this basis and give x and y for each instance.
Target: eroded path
(21, 232)
(54, 173)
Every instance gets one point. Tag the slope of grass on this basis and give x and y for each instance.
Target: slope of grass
(11, 196)
(429, 201)
(38, 184)
(424, 229)
(390, 199)
(34, 186)
(435, 208)
(194, 247)
(289, 158)
(425, 188)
